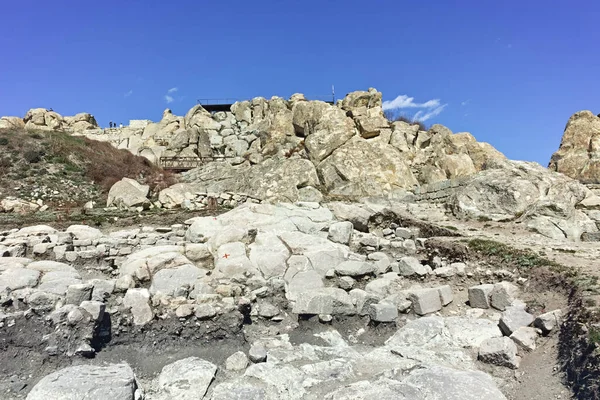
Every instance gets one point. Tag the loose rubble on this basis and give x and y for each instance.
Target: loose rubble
(265, 270)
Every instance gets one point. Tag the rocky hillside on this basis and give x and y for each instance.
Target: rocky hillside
(44, 168)
(300, 150)
(579, 153)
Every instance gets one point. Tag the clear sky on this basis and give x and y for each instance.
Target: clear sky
(510, 72)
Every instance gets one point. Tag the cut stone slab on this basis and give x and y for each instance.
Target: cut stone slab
(169, 281)
(499, 351)
(355, 268)
(525, 337)
(79, 293)
(479, 296)
(383, 312)
(548, 321)
(90, 382)
(513, 318)
(425, 301)
(446, 296)
(331, 301)
(187, 379)
(503, 295)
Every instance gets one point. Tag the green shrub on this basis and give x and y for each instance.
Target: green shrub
(33, 156)
(3, 141)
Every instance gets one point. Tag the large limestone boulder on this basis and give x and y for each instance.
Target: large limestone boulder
(81, 122)
(128, 193)
(325, 127)
(275, 179)
(197, 118)
(359, 168)
(43, 119)
(579, 153)
(186, 379)
(165, 129)
(359, 99)
(11, 123)
(517, 190)
(114, 381)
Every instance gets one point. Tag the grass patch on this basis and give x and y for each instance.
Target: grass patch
(510, 257)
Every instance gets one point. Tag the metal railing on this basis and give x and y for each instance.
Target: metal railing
(206, 102)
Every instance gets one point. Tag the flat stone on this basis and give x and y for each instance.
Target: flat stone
(444, 272)
(186, 379)
(18, 278)
(404, 233)
(90, 382)
(332, 301)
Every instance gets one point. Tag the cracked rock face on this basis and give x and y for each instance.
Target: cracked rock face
(579, 153)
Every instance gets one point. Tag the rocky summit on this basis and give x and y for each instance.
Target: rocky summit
(297, 249)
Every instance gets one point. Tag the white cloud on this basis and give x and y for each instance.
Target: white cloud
(425, 115)
(128, 93)
(430, 108)
(464, 103)
(169, 99)
(403, 101)
(173, 90)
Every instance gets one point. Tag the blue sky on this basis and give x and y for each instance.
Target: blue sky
(511, 73)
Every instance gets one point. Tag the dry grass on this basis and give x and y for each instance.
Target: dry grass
(78, 159)
(393, 117)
